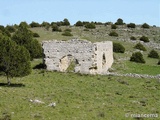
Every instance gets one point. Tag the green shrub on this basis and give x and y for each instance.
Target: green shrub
(131, 25)
(11, 29)
(158, 62)
(36, 35)
(44, 24)
(67, 33)
(79, 23)
(24, 37)
(140, 47)
(119, 22)
(137, 57)
(22, 24)
(144, 39)
(118, 48)
(153, 54)
(113, 33)
(90, 25)
(35, 24)
(66, 22)
(113, 26)
(132, 38)
(2, 28)
(145, 25)
(55, 28)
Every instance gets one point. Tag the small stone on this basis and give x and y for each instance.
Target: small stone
(53, 104)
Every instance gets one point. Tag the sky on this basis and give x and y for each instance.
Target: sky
(131, 11)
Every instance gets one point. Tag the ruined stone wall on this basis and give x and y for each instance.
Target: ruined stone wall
(88, 58)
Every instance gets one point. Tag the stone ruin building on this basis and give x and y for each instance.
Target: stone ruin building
(83, 56)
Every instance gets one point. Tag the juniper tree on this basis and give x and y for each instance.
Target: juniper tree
(14, 59)
(24, 37)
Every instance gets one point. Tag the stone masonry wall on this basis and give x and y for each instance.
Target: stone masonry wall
(88, 58)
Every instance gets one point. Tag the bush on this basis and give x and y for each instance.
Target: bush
(90, 25)
(36, 35)
(44, 24)
(131, 25)
(24, 37)
(66, 22)
(23, 24)
(55, 28)
(67, 33)
(140, 47)
(119, 22)
(118, 48)
(11, 29)
(145, 25)
(144, 39)
(137, 57)
(132, 38)
(153, 54)
(113, 26)
(35, 24)
(2, 28)
(79, 23)
(113, 33)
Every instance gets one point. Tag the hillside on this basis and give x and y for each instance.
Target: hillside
(45, 95)
(101, 33)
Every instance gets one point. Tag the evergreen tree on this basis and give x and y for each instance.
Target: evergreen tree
(24, 24)
(119, 22)
(137, 57)
(66, 22)
(14, 59)
(131, 25)
(113, 26)
(90, 25)
(118, 48)
(145, 25)
(79, 23)
(153, 54)
(24, 37)
(140, 47)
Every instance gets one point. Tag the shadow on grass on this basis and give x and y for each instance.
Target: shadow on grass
(12, 85)
(40, 66)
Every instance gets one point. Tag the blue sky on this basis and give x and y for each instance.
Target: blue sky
(136, 11)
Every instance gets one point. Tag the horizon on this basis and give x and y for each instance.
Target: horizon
(133, 11)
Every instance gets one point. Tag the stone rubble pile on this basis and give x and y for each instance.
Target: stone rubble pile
(135, 75)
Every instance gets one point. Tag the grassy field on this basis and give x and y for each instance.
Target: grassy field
(77, 97)
(85, 97)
